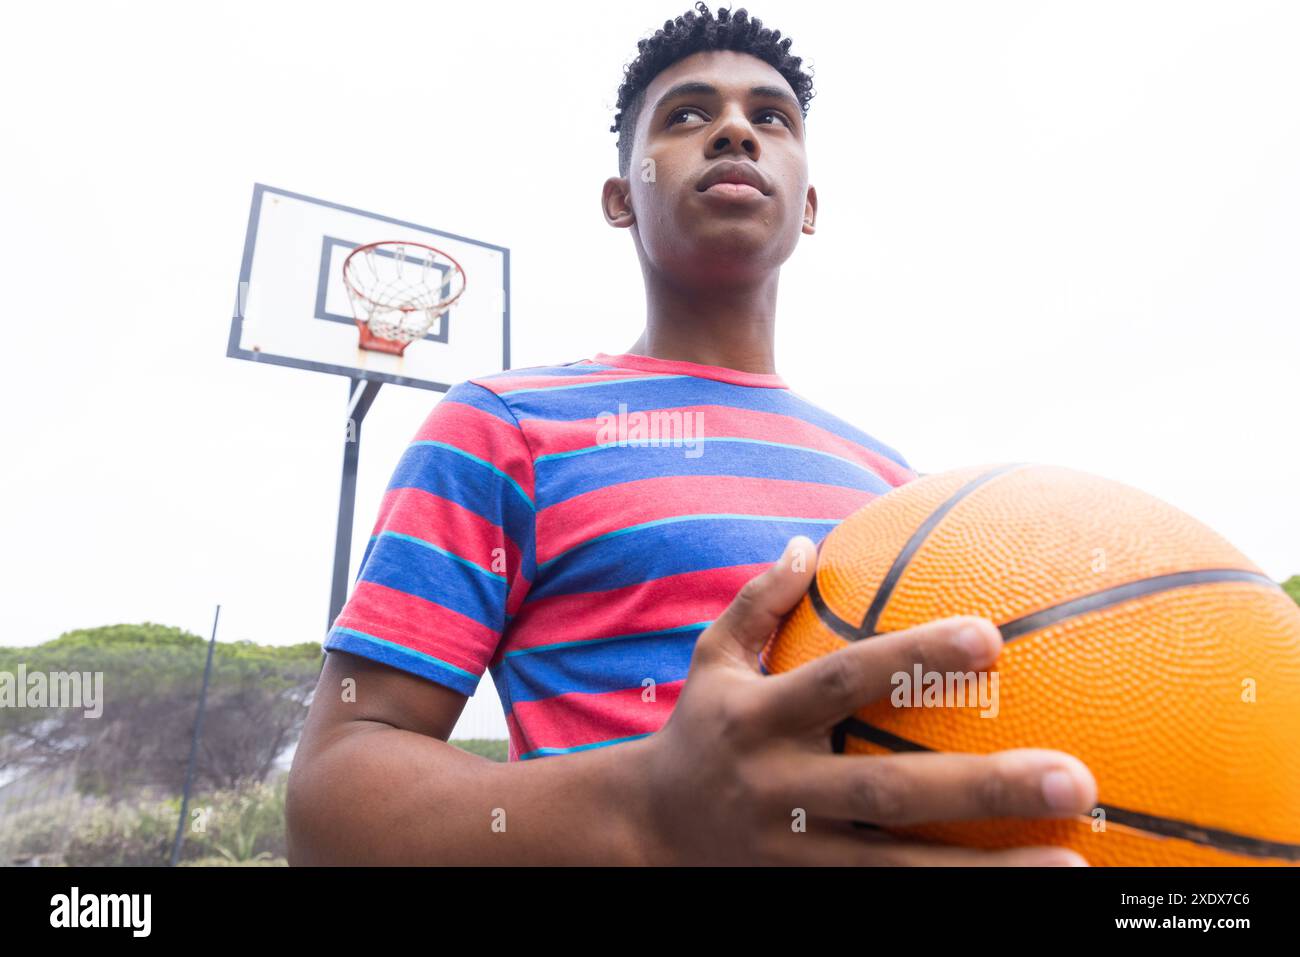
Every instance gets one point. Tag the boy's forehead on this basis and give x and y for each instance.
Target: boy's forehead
(727, 70)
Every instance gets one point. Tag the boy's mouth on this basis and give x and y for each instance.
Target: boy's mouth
(734, 191)
(734, 179)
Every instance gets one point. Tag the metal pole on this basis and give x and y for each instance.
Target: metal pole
(361, 396)
(194, 744)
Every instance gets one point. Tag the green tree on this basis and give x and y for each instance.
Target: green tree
(152, 675)
(1292, 587)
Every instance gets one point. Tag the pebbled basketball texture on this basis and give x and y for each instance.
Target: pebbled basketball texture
(1134, 638)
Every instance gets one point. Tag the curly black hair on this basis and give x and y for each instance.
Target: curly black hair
(689, 34)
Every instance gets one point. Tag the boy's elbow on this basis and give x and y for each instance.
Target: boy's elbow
(309, 823)
(298, 811)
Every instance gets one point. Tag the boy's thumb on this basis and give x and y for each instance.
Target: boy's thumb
(764, 600)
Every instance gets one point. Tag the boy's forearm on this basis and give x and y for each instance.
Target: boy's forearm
(376, 794)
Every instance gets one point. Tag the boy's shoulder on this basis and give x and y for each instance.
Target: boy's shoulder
(495, 392)
(563, 388)
(529, 378)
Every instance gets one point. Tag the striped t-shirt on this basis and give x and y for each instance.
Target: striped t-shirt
(574, 528)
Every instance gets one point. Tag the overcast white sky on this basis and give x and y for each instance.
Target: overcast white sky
(1057, 232)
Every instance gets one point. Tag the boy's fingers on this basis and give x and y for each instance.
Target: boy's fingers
(911, 788)
(841, 845)
(823, 692)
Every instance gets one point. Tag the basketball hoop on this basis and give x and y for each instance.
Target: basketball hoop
(398, 290)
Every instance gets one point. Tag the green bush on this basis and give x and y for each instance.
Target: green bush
(244, 825)
(222, 862)
(123, 834)
(1292, 587)
(152, 676)
(493, 748)
(241, 826)
(42, 830)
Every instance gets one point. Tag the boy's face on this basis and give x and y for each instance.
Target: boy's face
(712, 112)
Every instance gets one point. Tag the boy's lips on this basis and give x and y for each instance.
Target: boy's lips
(746, 178)
(734, 191)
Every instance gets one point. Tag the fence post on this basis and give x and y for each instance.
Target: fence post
(194, 745)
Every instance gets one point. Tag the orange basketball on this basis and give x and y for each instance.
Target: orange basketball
(1135, 638)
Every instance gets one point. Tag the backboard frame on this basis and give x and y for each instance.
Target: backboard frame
(235, 351)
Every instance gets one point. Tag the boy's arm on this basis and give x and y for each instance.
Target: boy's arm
(374, 782)
(741, 755)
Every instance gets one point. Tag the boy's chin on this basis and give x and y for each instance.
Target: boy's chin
(735, 261)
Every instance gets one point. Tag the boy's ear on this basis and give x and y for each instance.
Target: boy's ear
(616, 203)
(810, 212)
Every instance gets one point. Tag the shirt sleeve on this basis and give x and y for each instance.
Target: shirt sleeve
(453, 551)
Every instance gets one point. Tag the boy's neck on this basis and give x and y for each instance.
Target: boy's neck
(733, 328)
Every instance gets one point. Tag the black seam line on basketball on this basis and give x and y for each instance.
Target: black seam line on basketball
(852, 632)
(1151, 824)
(1019, 627)
(886, 589)
(828, 618)
(1107, 597)
(837, 738)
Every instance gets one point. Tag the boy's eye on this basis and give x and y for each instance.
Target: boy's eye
(679, 115)
(684, 111)
(777, 113)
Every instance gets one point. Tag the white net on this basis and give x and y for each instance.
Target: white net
(400, 290)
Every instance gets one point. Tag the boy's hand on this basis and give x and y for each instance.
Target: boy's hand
(742, 751)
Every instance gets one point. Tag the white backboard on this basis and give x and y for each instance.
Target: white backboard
(292, 308)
